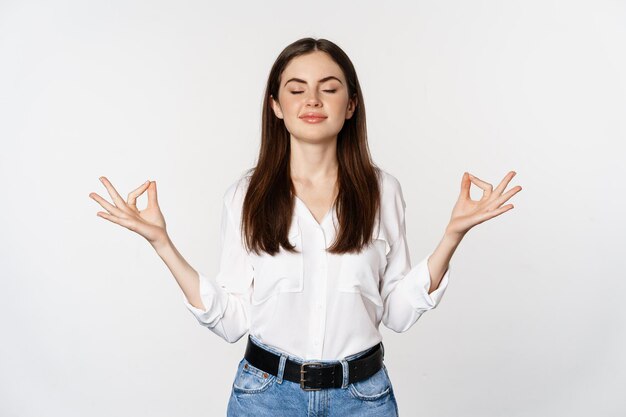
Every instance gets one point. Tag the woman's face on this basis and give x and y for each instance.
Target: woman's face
(313, 83)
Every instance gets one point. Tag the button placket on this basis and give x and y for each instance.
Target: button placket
(321, 302)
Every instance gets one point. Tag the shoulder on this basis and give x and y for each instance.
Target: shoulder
(392, 208)
(390, 189)
(235, 194)
(237, 188)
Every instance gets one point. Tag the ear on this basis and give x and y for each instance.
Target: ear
(352, 103)
(276, 107)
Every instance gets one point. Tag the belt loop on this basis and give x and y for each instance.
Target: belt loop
(346, 368)
(281, 368)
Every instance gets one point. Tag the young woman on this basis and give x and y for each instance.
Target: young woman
(314, 252)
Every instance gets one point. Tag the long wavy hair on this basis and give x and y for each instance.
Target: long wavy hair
(269, 201)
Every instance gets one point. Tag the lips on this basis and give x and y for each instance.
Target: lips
(313, 117)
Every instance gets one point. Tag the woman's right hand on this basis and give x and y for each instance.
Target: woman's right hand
(148, 223)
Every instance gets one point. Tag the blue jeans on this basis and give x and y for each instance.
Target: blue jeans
(260, 394)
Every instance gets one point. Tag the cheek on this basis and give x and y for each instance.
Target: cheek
(290, 107)
(340, 112)
(340, 104)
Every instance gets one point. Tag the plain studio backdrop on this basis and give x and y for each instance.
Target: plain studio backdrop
(92, 321)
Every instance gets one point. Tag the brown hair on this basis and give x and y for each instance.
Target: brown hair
(269, 202)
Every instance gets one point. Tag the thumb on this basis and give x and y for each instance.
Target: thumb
(465, 185)
(152, 194)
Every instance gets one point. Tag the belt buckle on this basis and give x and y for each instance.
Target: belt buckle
(302, 371)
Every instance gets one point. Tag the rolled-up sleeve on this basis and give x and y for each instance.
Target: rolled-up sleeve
(404, 289)
(226, 297)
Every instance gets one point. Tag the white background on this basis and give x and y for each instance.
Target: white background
(91, 319)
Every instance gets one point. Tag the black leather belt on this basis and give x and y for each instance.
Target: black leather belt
(313, 376)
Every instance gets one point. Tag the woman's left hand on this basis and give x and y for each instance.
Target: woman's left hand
(467, 213)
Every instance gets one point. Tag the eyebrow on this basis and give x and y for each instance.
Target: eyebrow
(298, 80)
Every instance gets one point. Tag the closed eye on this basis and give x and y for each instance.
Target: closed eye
(327, 91)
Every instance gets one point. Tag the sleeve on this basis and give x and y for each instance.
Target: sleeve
(227, 296)
(404, 288)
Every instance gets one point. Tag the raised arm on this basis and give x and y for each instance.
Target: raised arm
(407, 291)
(221, 303)
(224, 306)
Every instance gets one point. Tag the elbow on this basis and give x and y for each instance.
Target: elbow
(229, 335)
(401, 325)
(236, 338)
(397, 329)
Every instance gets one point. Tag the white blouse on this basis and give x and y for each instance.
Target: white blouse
(316, 305)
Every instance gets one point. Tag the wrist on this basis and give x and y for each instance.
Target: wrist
(453, 237)
(162, 243)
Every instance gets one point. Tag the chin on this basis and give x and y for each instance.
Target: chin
(314, 138)
(314, 133)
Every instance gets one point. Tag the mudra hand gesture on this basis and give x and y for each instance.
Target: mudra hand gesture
(148, 223)
(467, 213)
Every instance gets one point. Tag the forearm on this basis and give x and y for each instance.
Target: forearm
(185, 275)
(439, 261)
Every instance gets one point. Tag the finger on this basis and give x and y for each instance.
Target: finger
(485, 186)
(506, 196)
(465, 185)
(132, 196)
(114, 219)
(117, 199)
(497, 212)
(507, 178)
(152, 195)
(106, 205)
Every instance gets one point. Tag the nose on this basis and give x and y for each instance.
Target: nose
(313, 100)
